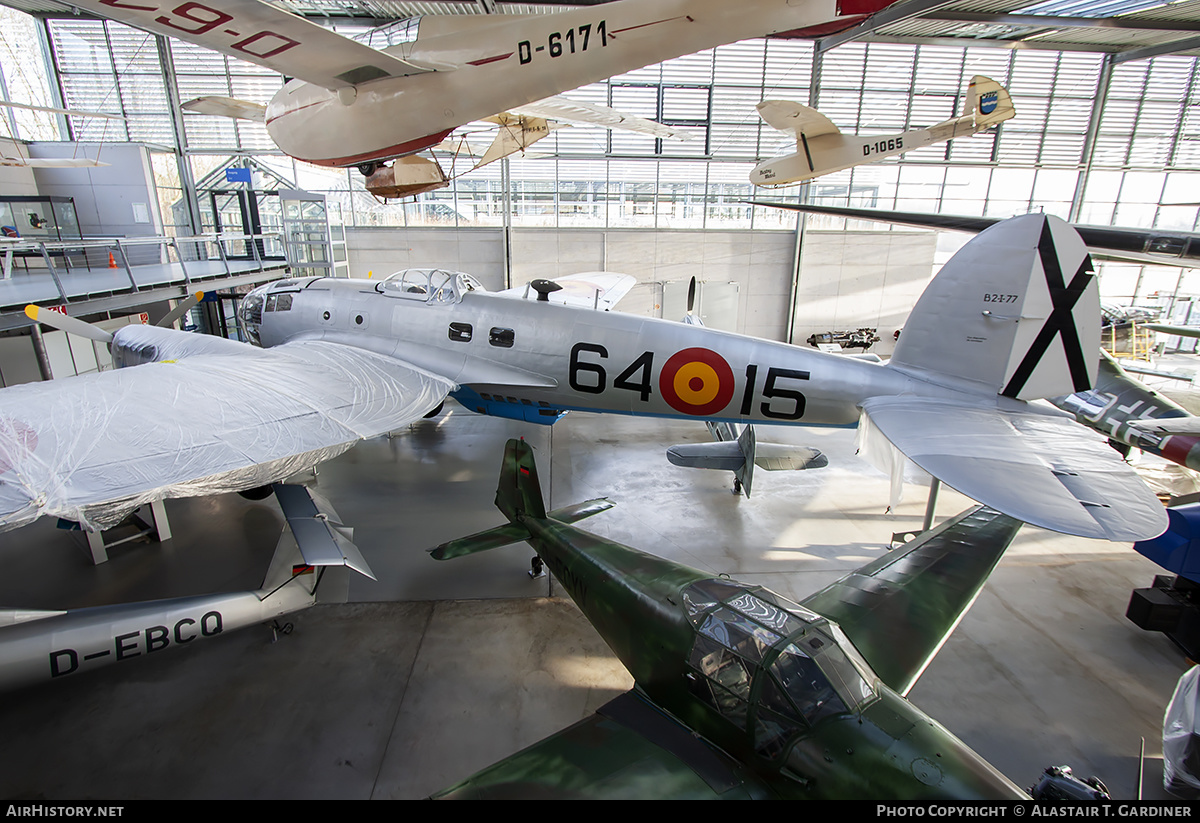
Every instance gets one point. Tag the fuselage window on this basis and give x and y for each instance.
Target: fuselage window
(503, 338)
(460, 332)
(279, 302)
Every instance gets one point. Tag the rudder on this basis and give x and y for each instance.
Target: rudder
(519, 493)
(1016, 310)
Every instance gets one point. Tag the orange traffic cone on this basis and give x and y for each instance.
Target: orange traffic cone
(112, 261)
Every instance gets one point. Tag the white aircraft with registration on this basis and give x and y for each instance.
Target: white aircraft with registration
(1013, 317)
(348, 104)
(821, 148)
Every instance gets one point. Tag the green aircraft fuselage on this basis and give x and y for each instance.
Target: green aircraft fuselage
(761, 680)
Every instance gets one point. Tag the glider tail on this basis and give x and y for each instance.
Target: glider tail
(988, 101)
(1015, 312)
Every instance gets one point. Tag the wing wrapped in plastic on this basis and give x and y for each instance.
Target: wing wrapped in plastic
(1181, 738)
(93, 448)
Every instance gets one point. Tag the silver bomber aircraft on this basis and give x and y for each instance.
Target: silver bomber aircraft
(1013, 317)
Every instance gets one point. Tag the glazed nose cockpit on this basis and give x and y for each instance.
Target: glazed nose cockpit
(265, 300)
(250, 312)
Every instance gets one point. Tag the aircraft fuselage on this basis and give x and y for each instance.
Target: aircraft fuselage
(544, 358)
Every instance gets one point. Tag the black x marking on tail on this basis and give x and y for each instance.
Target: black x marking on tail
(1063, 297)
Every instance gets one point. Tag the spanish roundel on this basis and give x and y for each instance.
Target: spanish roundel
(697, 382)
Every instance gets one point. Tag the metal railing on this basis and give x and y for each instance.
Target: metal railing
(115, 252)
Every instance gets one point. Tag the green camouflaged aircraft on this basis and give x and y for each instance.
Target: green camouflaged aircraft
(741, 693)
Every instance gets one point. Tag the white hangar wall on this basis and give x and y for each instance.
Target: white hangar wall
(848, 279)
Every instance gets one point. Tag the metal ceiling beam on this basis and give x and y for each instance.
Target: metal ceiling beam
(1012, 45)
(1049, 22)
(1154, 51)
(892, 14)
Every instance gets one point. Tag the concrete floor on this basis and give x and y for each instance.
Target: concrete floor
(439, 669)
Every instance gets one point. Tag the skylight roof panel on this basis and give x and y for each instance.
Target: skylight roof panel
(1090, 8)
(79, 46)
(691, 68)
(740, 64)
(928, 109)
(133, 50)
(842, 68)
(789, 63)
(733, 141)
(151, 128)
(143, 94)
(889, 67)
(1062, 149)
(938, 68)
(195, 60)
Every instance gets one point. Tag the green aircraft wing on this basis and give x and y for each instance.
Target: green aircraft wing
(629, 749)
(900, 608)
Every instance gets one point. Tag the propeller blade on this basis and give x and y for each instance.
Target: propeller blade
(691, 295)
(64, 322)
(179, 311)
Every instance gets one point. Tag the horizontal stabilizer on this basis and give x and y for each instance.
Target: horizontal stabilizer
(319, 532)
(899, 609)
(481, 542)
(227, 107)
(578, 112)
(775, 457)
(727, 456)
(1039, 467)
(516, 133)
(578, 511)
(12, 617)
(795, 119)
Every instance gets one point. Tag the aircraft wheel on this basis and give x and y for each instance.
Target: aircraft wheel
(435, 411)
(367, 169)
(257, 493)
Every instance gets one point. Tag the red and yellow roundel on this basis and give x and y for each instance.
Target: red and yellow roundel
(697, 382)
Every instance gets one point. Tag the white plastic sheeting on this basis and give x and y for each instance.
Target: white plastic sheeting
(93, 448)
(1181, 738)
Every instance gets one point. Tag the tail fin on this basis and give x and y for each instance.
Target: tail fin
(1016, 310)
(988, 101)
(519, 493)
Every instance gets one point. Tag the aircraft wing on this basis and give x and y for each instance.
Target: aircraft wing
(575, 111)
(227, 107)
(795, 119)
(93, 448)
(51, 162)
(1165, 328)
(1145, 246)
(1039, 467)
(628, 750)
(264, 34)
(899, 609)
